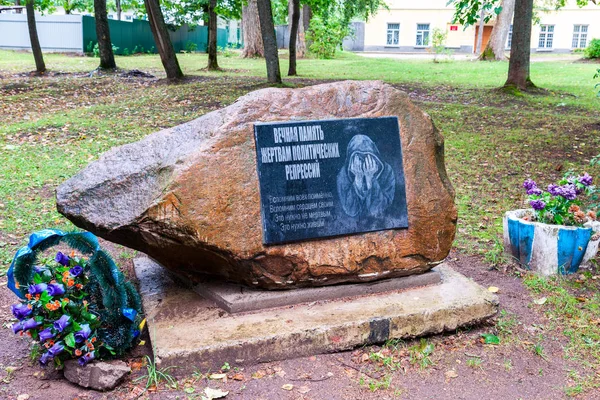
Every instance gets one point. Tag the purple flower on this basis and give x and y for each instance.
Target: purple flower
(529, 184)
(37, 289)
(83, 334)
(76, 270)
(45, 358)
(20, 311)
(537, 204)
(39, 269)
(18, 326)
(56, 289)
(31, 324)
(46, 334)
(585, 179)
(61, 323)
(86, 358)
(554, 190)
(568, 192)
(62, 259)
(56, 349)
(534, 191)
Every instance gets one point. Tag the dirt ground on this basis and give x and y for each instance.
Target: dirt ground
(463, 367)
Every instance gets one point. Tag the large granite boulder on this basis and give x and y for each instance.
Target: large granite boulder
(189, 196)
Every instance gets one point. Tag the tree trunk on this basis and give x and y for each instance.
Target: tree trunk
(301, 36)
(480, 31)
(213, 65)
(306, 17)
(107, 58)
(267, 29)
(518, 67)
(293, 23)
(118, 7)
(36, 49)
(162, 40)
(497, 43)
(253, 44)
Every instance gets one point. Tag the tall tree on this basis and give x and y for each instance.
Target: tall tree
(267, 29)
(480, 29)
(253, 43)
(36, 49)
(162, 39)
(497, 43)
(107, 57)
(294, 22)
(213, 65)
(518, 67)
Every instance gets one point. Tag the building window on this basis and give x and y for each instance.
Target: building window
(128, 17)
(579, 36)
(422, 35)
(546, 36)
(393, 34)
(509, 38)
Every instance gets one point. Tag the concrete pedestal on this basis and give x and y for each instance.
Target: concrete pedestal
(189, 331)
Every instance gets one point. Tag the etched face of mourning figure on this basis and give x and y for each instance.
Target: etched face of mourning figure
(366, 184)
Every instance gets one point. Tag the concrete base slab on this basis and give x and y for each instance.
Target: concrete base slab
(191, 332)
(237, 298)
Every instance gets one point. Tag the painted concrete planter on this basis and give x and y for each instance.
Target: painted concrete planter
(549, 249)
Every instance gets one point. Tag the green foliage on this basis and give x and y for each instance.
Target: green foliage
(96, 49)
(438, 44)
(420, 354)
(226, 51)
(154, 376)
(190, 46)
(326, 36)
(468, 12)
(593, 50)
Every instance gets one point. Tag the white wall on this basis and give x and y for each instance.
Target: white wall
(59, 33)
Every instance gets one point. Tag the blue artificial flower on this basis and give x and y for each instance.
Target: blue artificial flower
(554, 190)
(31, 324)
(39, 269)
(62, 259)
(45, 358)
(46, 334)
(20, 311)
(86, 358)
(37, 289)
(76, 270)
(56, 349)
(529, 184)
(83, 334)
(17, 327)
(61, 323)
(534, 191)
(56, 289)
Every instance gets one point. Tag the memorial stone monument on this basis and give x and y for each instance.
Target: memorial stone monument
(340, 183)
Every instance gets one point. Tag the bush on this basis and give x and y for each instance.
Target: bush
(190, 46)
(96, 49)
(593, 49)
(326, 36)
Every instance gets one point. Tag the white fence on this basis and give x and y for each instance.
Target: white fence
(59, 33)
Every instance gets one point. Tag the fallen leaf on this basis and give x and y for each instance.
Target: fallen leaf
(210, 394)
(540, 301)
(493, 289)
(303, 389)
(489, 338)
(259, 374)
(217, 376)
(287, 386)
(451, 374)
(581, 299)
(238, 377)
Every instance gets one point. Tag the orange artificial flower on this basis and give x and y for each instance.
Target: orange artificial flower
(28, 296)
(78, 352)
(37, 296)
(72, 254)
(53, 281)
(79, 286)
(65, 300)
(17, 285)
(93, 340)
(29, 306)
(70, 283)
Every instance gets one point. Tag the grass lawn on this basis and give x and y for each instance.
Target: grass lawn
(53, 126)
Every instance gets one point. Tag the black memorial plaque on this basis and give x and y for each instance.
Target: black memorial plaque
(330, 178)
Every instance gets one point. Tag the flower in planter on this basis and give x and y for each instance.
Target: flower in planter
(61, 323)
(20, 311)
(83, 334)
(46, 334)
(561, 203)
(55, 289)
(62, 259)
